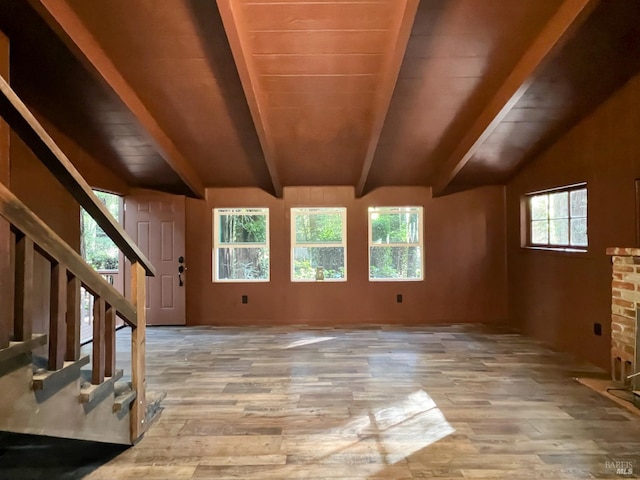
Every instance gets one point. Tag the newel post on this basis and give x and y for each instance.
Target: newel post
(138, 376)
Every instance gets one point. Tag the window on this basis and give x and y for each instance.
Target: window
(241, 245)
(319, 244)
(99, 251)
(558, 218)
(96, 247)
(395, 243)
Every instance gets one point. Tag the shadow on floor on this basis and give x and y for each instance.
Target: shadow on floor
(31, 457)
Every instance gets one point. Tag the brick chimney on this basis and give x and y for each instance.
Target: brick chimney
(625, 303)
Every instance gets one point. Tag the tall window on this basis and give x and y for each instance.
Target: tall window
(241, 245)
(102, 254)
(558, 218)
(319, 244)
(95, 246)
(395, 243)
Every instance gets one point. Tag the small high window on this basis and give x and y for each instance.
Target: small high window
(241, 245)
(557, 219)
(395, 243)
(319, 244)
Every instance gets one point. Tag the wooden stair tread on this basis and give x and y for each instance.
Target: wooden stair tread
(123, 399)
(17, 348)
(89, 392)
(59, 378)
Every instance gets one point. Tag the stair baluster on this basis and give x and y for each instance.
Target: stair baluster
(73, 319)
(57, 320)
(98, 358)
(110, 342)
(22, 327)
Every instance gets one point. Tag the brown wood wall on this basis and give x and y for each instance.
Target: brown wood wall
(465, 270)
(6, 285)
(555, 296)
(32, 183)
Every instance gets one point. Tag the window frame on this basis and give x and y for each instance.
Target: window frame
(419, 244)
(217, 244)
(528, 226)
(294, 211)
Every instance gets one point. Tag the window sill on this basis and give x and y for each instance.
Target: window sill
(395, 280)
(571, 252)
(326, 280)
(240, 281)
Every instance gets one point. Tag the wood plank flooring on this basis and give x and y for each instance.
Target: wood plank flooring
(373, 403)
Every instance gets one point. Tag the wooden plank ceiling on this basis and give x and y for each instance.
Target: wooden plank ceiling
(180, 95)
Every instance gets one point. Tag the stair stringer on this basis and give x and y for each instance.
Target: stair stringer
(57, 412)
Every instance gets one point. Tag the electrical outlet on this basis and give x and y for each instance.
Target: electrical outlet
(597, 329)
(399, 298)
(245, 298)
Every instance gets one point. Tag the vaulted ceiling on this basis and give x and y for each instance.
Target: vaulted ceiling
(180, 95)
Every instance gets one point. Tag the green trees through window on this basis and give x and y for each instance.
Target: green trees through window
(241, 244)
(95, 246)
(395, 243)
(559, 218)
(318, 242)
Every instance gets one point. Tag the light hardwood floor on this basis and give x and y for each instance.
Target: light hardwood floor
(373, 403)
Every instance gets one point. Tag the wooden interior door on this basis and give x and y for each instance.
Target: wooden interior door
(155, 221)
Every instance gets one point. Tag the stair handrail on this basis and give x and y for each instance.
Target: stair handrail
(69, 269)
(22, 121)
(51, 246)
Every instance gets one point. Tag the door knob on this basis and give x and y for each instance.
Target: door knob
(181, 270)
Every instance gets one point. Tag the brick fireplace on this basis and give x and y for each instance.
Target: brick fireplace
(625, 303)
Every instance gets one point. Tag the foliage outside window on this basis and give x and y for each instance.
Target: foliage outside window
(101, 253)
(558, 218)
(395, 243)
(241, 244)
(319, 244)
(96, 247)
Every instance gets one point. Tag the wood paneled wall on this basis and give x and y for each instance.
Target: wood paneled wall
(465, 268)
(33, 184)
(6, 285)
(557, 296)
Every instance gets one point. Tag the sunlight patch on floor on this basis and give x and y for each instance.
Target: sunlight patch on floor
(393, 432)
(307, 341)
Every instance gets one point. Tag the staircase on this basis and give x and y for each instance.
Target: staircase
(48, 386)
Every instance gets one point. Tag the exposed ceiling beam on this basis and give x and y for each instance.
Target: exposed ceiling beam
(72, 31)
(230, 17)
(568, 17)
(387, 85)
